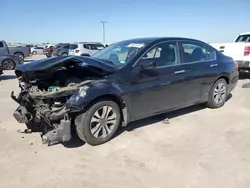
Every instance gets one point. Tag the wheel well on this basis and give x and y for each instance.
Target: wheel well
(115, 99)
(19, 53)
(225, 78)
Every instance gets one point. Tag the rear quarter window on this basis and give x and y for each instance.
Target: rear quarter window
(1, 45)
(73, 46)
(243, 38)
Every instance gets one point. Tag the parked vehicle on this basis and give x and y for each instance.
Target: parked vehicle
(49, 51)
(9, 62)
(21, 52)
(37, 50)
(96, 95)
(239, 50)
(85, 48)
(62, 51)
(58, 47)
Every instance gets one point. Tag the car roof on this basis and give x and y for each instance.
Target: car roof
(158, 39)
(246, 33)
(87, 43)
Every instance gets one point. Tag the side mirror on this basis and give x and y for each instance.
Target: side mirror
(147, 65)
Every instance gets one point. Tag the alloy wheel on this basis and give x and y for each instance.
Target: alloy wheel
(220, 92)
(8, 64)
(103, 122)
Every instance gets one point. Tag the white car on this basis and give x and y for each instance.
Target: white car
(239, 50)
(85, 48)
(37, 50)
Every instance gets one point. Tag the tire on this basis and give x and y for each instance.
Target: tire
(218, 100)
(34, 53)
(88, 55)
(19, 54)
(64, 54)
(93, 133)
(9, 64)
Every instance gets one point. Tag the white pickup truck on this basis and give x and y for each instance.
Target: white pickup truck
(239, 50)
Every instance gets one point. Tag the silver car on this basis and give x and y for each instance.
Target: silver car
(37, 50)
(85, 48)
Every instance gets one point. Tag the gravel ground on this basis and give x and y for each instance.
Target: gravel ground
(200, 148)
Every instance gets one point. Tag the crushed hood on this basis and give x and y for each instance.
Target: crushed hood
(54, 63)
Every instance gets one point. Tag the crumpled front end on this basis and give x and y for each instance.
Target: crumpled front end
(43, 100)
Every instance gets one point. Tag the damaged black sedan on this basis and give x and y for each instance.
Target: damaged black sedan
(126, 81)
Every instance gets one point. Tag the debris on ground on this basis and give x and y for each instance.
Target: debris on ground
(246, 85)
(166, 121)
(24, 131)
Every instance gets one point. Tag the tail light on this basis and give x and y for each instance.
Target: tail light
(236, 65)
(247, 51)
(76, 51)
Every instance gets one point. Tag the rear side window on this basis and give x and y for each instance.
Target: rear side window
(66, 47)
(73, 46)
(195, 52)
(243, 38)
(94, 46)
(1, 44)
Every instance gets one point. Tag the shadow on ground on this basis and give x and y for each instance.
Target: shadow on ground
(162, 117)
(76, 142)
(7, 77)
(244, 75)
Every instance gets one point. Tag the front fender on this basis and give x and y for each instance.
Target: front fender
(87, 93)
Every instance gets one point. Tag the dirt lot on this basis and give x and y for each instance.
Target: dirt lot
(200, 148)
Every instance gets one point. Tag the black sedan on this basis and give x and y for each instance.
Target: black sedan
(98, 94)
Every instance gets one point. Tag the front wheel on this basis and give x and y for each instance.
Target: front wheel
(218, 94)
(9, 64)
(99, 123)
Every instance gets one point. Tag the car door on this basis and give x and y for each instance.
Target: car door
(201, 69)
(160, 88)
(3, 48)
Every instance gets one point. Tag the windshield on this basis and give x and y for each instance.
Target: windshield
(119, 54)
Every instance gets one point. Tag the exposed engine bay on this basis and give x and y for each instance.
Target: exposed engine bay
(44, 94)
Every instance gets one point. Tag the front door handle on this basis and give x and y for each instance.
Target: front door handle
(179, 72)
(213, 65)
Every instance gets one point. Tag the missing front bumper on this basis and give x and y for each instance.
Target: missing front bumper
(50, 133)
(61, 133)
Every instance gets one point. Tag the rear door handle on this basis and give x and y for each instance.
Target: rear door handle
(180, 71)
(214, 65)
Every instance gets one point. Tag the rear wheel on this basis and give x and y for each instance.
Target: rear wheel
(64, 54)
(218, 94)
(34, 53)
(19, 54)
(99, 123)
(9, 64)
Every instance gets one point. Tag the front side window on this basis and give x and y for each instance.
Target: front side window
(96, 47)
(163, 54)
(195, 52)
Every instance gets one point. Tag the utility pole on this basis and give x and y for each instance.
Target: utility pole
(103, 31)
